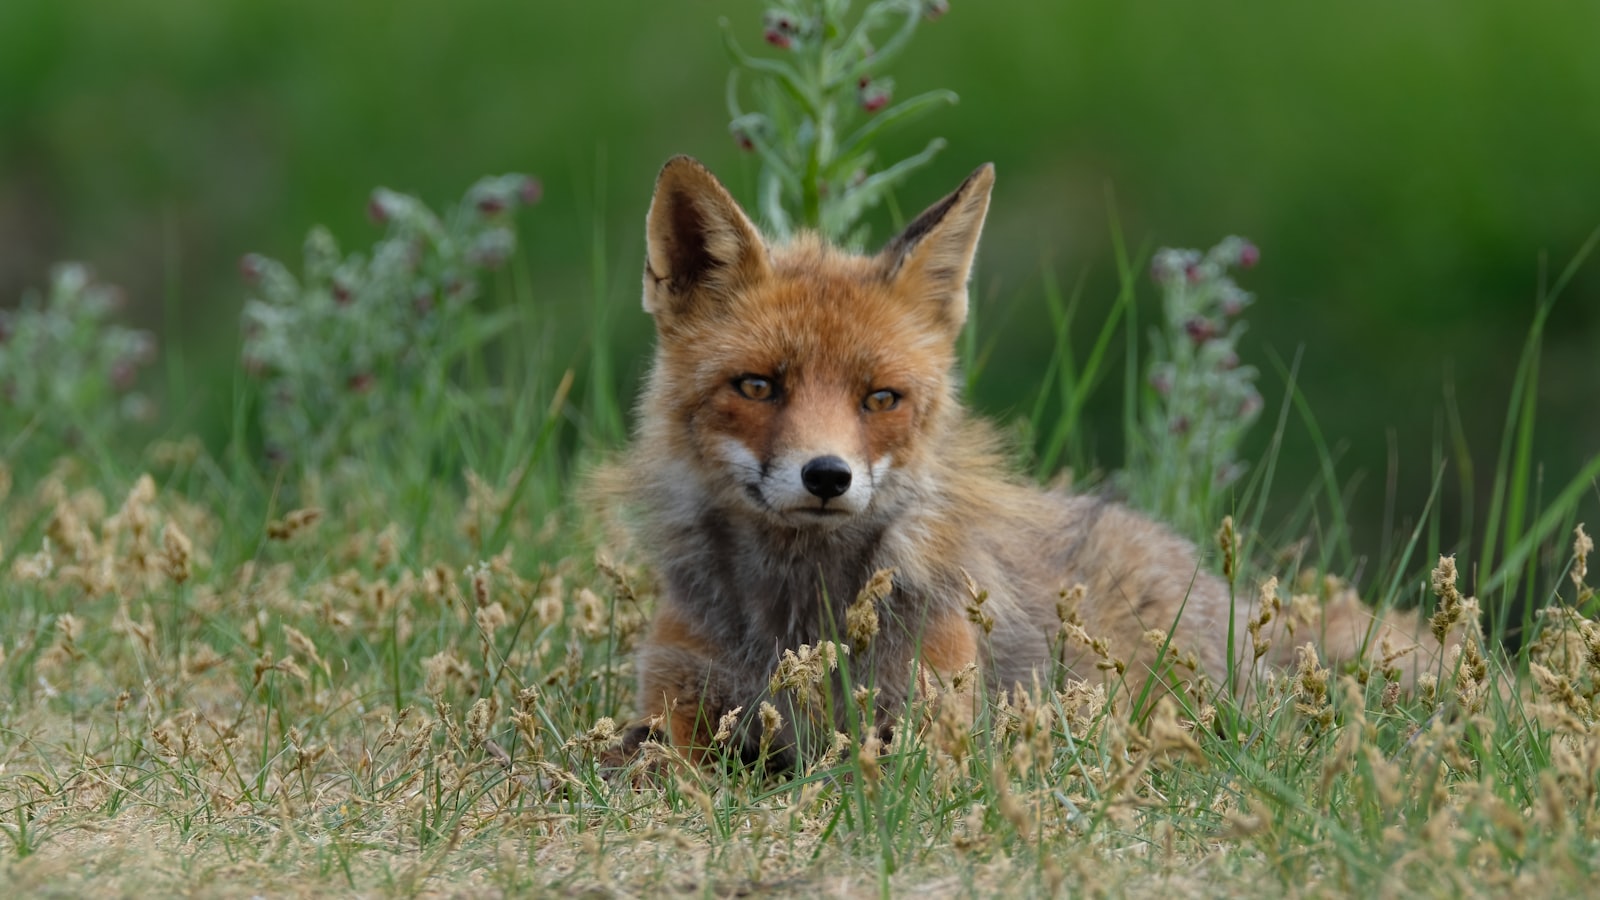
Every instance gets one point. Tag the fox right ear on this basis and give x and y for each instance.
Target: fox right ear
(698, 242)
(932, 257)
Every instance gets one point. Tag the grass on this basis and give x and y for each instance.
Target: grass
(389, 680)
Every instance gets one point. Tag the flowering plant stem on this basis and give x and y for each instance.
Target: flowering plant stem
(817, 172)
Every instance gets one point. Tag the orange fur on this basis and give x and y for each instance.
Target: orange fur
(949, 645)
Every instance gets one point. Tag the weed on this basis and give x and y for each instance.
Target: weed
(362, 348)
(68, 371)
(817, 171)
(1200, 398)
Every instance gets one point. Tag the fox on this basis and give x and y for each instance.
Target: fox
(800, 438)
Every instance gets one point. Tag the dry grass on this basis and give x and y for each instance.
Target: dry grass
(196, 698)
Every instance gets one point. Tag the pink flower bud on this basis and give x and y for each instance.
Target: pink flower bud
(360, 383)
(250, 266)
(1249, 255)
(935, 9)
(1200, 329)
(1251, 405)
(123, 374)
(376, 212)
(531, 191)
(743, 139)
(778, 39)
(490, 204)
(341, 293)
(1192, 272)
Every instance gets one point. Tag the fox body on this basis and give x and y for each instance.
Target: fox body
(801, 430)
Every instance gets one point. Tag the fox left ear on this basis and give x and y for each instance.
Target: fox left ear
(932, 257)
(700, 247)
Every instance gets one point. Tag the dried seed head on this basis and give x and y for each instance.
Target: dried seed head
(387, 549)
(1582, 546)
(299, 643)
(602, 735)
(975, 600)
(490, 619)
(177, 553)
(861, 618)
(1391, 696)
(1068, 602)
(480, 577)
(1228, 542)
(726, 724)
(1559, 688)
(1427, 687)
(965, 679)
(771, 721)
(36, 566)
(1266, 610)
(479, 718)
(866, 700)
(830, 757)
(952, 728)
(296, 522)
(439, 670)
(803, 669)
(1472, 672)
(1449, 613)
(590, 612)
(867, 758)
(68, 532)
(1169, 737)
(549, 605)
(68, 629)
(1311, 687)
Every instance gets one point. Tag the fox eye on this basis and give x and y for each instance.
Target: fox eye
(881, 401)
(753, 387)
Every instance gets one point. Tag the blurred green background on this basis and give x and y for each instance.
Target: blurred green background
(1411, 171)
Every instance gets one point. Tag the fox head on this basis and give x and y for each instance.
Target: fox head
(801, 384)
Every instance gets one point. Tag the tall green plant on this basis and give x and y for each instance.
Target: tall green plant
(67, 369)
(1200, 400)
(360, 349)
(821, 106)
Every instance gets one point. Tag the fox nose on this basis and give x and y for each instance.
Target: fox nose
(826, 476)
